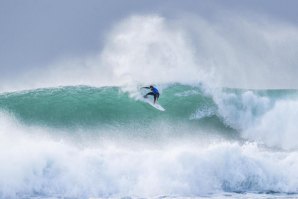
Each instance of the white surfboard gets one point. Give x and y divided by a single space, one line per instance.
156 105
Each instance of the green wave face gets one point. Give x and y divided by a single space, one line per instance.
111 108
69 106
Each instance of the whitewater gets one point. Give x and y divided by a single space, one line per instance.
80 129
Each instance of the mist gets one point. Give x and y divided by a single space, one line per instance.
248 45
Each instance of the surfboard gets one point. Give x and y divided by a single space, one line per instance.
156 105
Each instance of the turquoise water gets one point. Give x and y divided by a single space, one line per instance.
84 106
90 106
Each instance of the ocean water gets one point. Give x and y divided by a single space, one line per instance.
105 142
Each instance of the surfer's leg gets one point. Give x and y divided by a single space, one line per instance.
156 96
150 93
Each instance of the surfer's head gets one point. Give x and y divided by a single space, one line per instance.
151 86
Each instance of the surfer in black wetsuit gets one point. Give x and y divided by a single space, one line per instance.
153 92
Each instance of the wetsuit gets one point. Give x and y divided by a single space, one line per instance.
153 92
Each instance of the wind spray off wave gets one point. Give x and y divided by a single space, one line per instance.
190 49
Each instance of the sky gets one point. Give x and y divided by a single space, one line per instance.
36 33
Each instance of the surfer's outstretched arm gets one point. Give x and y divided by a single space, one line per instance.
146 87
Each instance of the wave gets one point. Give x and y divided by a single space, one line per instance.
84 142
87 106
249 114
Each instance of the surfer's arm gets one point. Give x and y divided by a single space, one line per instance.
146 87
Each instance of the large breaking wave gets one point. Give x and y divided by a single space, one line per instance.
104 142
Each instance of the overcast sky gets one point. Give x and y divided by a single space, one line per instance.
34 33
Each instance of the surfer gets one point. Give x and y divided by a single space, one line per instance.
153 92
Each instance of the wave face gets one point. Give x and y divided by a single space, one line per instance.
101 108
83 142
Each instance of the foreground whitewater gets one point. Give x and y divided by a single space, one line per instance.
86 142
